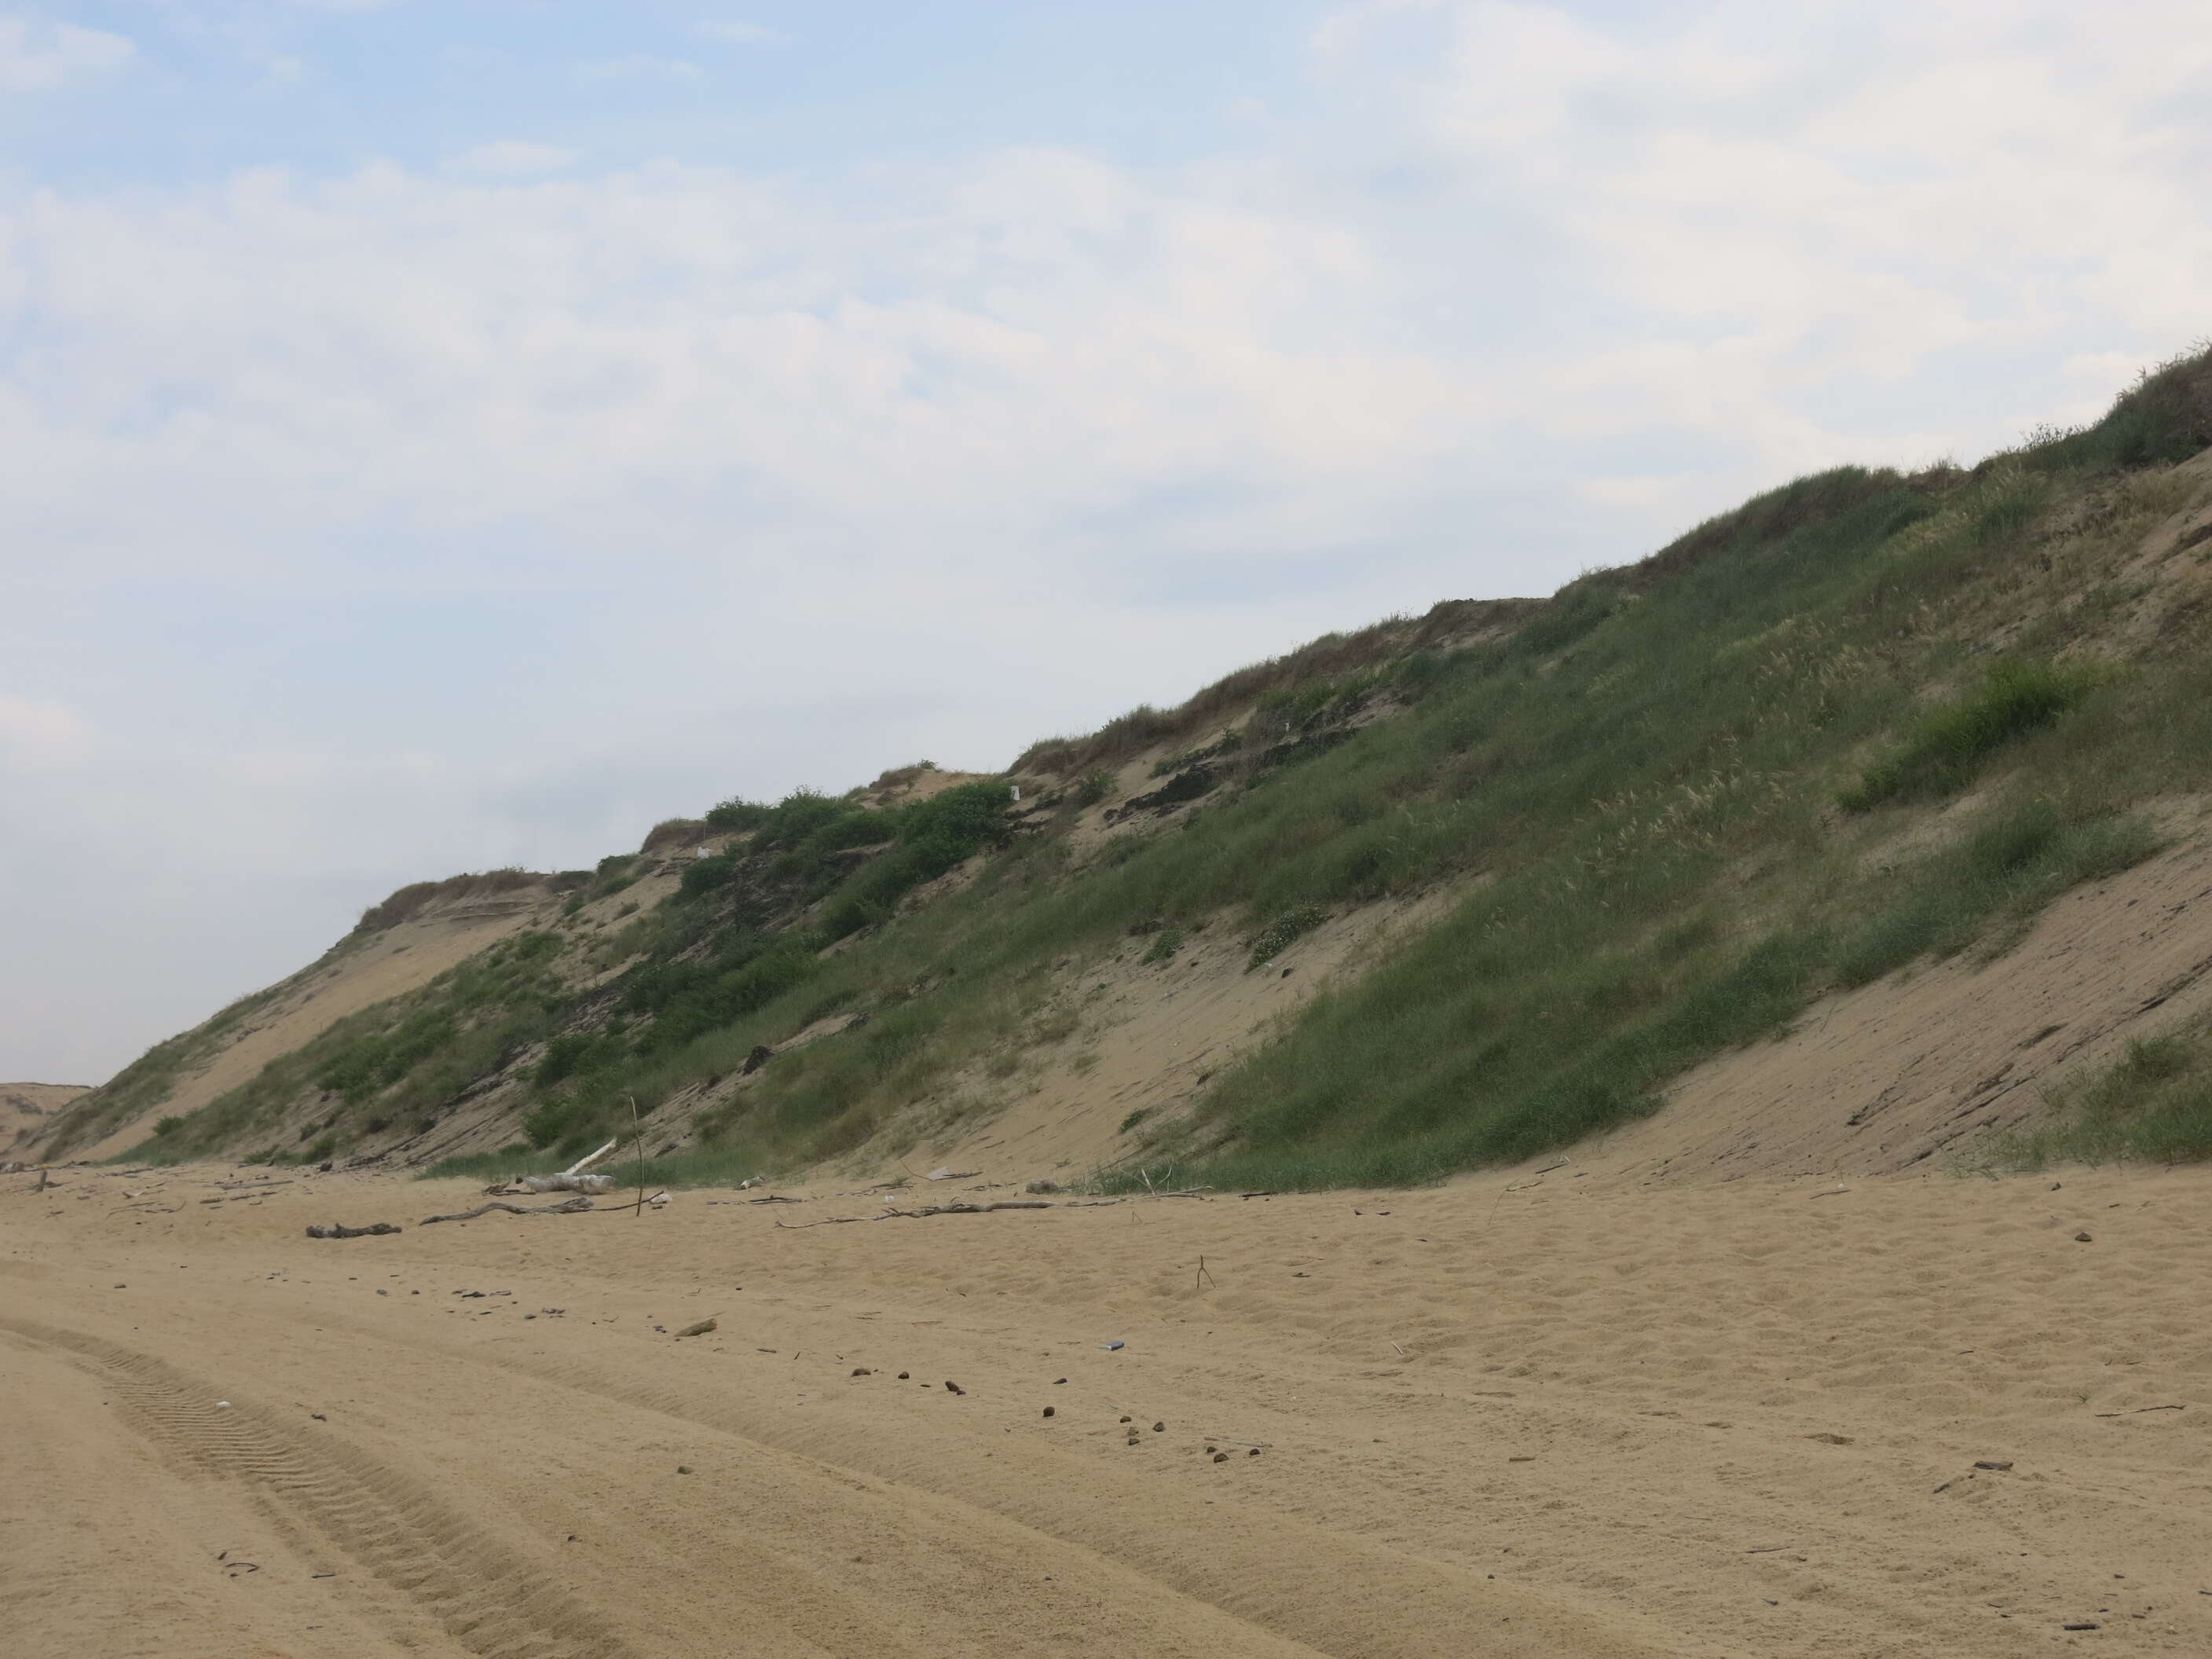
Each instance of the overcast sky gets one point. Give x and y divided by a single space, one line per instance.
446 435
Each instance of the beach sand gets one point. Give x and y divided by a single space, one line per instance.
1569 1413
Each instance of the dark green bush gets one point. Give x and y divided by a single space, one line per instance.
736 815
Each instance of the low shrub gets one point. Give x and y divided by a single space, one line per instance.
1285 929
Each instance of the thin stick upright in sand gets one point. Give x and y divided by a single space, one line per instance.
638 1151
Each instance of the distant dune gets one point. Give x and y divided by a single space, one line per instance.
26 1106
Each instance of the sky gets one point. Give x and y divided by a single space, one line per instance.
441 436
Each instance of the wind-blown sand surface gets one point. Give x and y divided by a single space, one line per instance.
1576 1417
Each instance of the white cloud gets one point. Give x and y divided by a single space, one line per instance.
639 66
1833 191
512 158
36 56
31 728
745 34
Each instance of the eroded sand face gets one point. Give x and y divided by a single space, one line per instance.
1577 1417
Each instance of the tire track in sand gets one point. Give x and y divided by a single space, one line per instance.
391 1526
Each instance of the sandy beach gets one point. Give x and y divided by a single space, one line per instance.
1555 1415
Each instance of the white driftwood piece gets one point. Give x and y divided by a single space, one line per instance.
590 1158
566 1183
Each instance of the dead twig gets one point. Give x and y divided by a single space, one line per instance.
374 1230
2140 1410
916 1215
575 1206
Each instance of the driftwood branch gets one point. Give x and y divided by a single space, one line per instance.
375 1231
935 1209
590 1158
575 1206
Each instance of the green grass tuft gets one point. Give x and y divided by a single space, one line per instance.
1945 747
2154 1106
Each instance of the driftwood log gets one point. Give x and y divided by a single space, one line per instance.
375 1231
573 1206
565 1183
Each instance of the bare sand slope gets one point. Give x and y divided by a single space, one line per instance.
1553 1414
1147 1036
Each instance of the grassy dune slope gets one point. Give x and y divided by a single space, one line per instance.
1864 721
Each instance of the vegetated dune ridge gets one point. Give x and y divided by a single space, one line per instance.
358 973
1826 836
25 1108
1558 1413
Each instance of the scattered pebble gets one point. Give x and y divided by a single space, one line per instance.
902 1376
683 1469
1159 1428
862 1370
1221 1457
954 1388
1049 1411
2083 1238
1993 1463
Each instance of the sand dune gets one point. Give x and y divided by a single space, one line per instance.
26 1108
1558 1414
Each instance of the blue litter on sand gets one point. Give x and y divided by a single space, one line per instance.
1110 1346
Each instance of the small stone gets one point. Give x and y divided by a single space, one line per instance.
1125 1419
2083 1238
1159 1428
954 1388
683 1469
1254 1452
1221 1457
1994 1464
1047 1411
1057 1381
1520 1460
862 1370
901 1376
